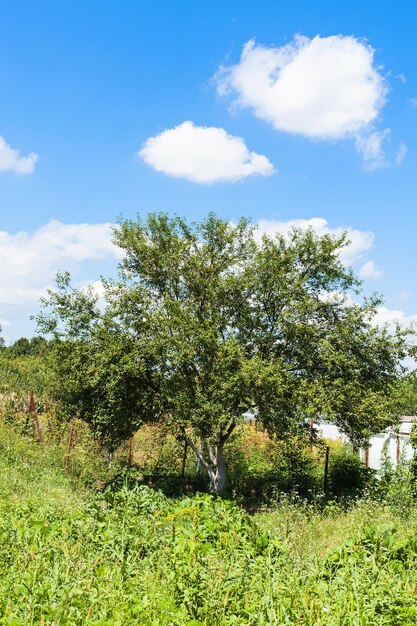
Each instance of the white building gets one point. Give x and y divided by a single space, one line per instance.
395 441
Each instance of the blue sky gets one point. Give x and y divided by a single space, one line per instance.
86 85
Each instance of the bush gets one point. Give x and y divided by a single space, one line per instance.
397 486
259 466
348 476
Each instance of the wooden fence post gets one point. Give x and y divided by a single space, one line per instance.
130 452
367 455
184 459
326 470
310 437
32 411
67 456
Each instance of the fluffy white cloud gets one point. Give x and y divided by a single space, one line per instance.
360 240
325 88
203 155
369 270
321 88
10 159
29 261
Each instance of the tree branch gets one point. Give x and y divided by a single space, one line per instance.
230 429
197 453
209 451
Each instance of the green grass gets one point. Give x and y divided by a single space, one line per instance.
70 555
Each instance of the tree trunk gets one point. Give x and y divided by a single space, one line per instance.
217 472
215 465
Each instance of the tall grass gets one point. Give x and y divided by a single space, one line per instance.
70 555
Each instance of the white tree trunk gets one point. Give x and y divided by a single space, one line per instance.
217 472
215 465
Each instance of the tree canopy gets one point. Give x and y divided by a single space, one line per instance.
210 319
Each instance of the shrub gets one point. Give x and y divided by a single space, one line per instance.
348 476
260 466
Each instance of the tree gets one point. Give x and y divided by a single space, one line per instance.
208 320
35 346
405 395
103 373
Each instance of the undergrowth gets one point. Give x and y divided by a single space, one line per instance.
126 555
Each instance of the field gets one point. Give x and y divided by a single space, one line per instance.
73 554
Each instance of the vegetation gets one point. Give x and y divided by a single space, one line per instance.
71 555
105 515
207 322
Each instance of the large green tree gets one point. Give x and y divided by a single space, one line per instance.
208 320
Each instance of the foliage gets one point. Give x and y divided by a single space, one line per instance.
397 484
21 375
404 396
102 373
207 321
71 556
348 476
36 346
260 465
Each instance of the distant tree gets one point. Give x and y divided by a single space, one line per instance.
208 320
21 347
2 342
19 375
26 347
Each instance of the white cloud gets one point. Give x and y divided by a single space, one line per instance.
370 147
413 101
360 240
203 155
96 286
391 317
369 270
401 152
383 316
29 261
323 88
10 159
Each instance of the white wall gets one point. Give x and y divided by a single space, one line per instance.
390 439
328 430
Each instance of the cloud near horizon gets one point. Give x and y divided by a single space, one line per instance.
10 159
203 154
29 261
325 88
